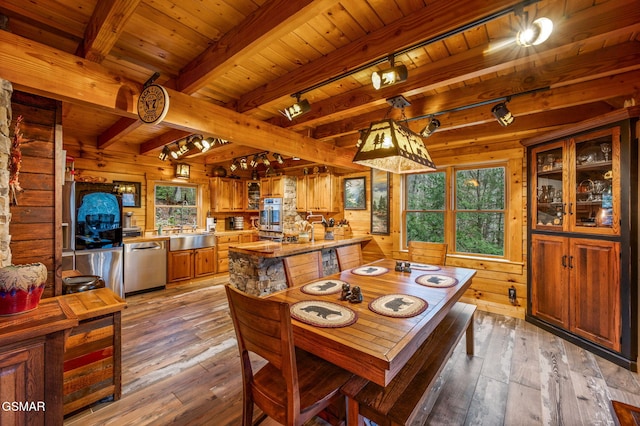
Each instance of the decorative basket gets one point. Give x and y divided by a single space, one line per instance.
21 287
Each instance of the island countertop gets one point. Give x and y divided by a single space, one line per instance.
275 249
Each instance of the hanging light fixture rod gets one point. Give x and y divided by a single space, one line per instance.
455 31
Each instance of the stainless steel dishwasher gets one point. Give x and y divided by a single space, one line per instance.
145 266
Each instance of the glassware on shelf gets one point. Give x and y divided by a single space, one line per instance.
605 147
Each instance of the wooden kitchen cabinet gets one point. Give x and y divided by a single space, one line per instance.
252 195
575 285
222 245
179 265
227 195
320 193
583 192
272 187
188 264
31 361
204 261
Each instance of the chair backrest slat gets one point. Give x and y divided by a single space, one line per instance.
303 268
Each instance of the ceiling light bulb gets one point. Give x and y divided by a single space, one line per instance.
297 109
243 164
538 32
389 77
278 158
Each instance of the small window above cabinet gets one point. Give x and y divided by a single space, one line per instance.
577 184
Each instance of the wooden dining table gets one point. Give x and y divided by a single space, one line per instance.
376 346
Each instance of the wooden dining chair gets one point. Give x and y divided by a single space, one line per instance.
303 268
294 385
349 256
423 252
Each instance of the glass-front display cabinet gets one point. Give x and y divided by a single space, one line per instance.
577 184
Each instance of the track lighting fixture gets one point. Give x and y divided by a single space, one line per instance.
502 114
297 109
174 152
206 144
164 153
254 161
278 158
389 76
430 128
183 149
535 33
234 166
265 160
243 163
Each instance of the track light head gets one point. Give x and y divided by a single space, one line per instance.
389 76
243 163
278 158
535 33
502 114
265 160
254 161
234 166
430 128
164 153
296 110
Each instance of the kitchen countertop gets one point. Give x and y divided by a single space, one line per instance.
274 249
165 237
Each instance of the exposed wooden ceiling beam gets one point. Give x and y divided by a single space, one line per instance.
105 27
441 16
30 65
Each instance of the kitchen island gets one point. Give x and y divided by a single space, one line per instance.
257 267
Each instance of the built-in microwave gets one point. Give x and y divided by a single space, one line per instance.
271 214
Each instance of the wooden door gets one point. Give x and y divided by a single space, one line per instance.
595 291
205 261
180 265
549 279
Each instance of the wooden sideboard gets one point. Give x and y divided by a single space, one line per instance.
31 363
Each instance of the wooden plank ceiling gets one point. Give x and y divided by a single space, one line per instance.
231 65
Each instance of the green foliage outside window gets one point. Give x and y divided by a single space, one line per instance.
175 205
478 211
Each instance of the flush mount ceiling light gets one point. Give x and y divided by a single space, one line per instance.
389 76
430 128
182 171
296 110
535 33
502 114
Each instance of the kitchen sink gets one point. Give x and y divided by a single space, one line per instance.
188 241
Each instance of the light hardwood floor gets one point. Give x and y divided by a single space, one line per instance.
181 367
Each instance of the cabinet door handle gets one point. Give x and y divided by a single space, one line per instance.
564 209
570 208
570 262
564 261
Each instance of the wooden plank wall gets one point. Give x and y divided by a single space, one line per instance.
33 219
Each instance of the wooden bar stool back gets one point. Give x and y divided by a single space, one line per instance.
432 253
349 257
294 385
303 268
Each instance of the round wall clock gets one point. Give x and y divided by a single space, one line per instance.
153 104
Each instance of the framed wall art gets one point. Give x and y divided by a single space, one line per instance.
379 202
130 193
355 193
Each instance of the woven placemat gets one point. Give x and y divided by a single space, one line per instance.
323 314
369 270
323 287
424 267
435 280
398 305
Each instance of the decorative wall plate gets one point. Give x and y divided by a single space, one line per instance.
435 280
369 270
323 314
398 305
323 287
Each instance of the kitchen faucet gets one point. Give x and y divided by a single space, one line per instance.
310 216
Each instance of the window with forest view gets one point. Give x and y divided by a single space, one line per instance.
472 222
175 205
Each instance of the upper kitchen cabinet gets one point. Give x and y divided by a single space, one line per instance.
582 229
320 191
227 195
577 184
272 187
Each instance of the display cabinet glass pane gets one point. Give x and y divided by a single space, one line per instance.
550 203
593 183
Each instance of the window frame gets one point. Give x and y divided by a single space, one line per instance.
450 208
197 205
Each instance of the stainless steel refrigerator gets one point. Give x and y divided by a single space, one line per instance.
93 212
